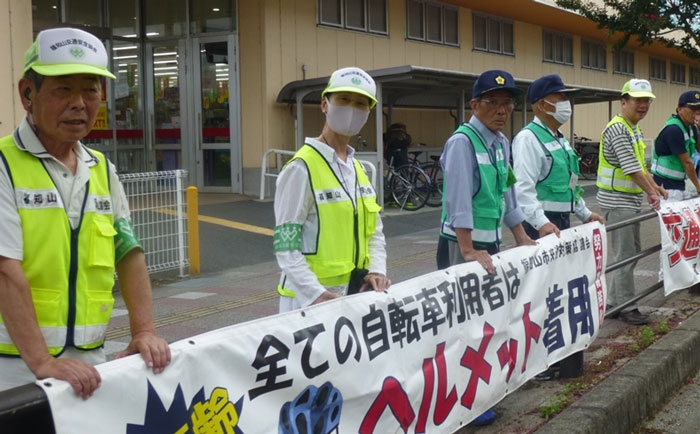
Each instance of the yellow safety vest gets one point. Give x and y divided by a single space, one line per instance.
611 177
70 272
333 256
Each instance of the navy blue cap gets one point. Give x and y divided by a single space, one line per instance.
691 97
547 85
495 80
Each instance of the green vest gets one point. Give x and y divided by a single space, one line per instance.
553 191
611 177
670 166
487 202
334 254
70 272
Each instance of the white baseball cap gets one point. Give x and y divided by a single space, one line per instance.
352 79
637 88
67 51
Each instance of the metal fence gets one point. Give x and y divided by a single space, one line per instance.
157 202
282 156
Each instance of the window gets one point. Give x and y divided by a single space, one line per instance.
432 22
594 55
657 69
623 62
678 73
694 79
558 48
492 34
359 15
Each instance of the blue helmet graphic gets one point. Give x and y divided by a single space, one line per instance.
313 411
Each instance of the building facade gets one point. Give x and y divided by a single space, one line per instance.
198 81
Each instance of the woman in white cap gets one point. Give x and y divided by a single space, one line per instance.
328 234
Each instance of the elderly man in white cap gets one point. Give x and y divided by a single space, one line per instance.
328 237
622 181
65 227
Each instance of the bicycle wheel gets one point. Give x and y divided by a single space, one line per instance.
410 187
434 172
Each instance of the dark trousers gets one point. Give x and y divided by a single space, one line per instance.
561 220
443 251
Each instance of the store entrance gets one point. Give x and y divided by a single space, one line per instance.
192 111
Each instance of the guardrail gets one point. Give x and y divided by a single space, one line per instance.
25 409
369 167
158 213
278 166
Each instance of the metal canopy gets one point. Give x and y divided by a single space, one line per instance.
412 86
420 87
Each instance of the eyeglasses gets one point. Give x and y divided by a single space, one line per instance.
494 104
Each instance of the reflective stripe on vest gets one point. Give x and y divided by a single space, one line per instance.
333 256
72 277
611 177
671 166
487 203
553 192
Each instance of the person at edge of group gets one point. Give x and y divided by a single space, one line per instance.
66 227
622 182
478 180
671 162
547 169
327 219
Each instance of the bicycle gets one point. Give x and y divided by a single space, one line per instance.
408 186
587 151
434 171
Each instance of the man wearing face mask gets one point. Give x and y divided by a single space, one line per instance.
327 224
545 165
547 170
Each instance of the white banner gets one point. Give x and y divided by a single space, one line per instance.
680 243
429 355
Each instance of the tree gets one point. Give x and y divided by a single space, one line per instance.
675 23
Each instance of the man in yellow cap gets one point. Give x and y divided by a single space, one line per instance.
622 182
65 227
328 237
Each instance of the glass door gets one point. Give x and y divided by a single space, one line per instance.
215 106
166 109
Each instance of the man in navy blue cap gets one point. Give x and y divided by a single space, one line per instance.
478 180
546 168
671 163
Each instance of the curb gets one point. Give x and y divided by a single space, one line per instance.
636 391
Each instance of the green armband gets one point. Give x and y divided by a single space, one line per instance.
511 178
287 237
125 240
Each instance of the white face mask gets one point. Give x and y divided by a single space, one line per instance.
562 111
345 120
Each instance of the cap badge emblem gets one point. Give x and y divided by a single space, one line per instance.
500 80
77 52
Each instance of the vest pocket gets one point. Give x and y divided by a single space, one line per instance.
101 243
47 305
99 308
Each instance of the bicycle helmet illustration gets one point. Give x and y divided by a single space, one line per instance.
313 411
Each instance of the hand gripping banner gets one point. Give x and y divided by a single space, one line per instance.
428 356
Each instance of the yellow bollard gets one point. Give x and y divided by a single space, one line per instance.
193 228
